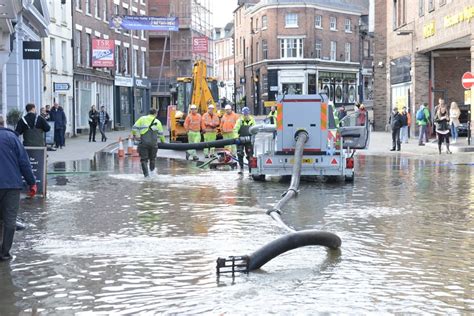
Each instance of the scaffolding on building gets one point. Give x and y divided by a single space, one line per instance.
176 56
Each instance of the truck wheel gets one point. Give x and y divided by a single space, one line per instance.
349 178
258 177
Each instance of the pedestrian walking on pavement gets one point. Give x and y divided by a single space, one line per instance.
148 129
242 128
93 121
404 129
58 116
14 167
454 113
210 123
442 127
192 124
32 127
228 121
103 121
396 124
422 120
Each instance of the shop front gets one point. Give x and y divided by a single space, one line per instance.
141 103
340 87
123 101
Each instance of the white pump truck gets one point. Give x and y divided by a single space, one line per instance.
328 150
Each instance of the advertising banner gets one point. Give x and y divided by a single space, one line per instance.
32 50
200 44
38 165
146 23
103 53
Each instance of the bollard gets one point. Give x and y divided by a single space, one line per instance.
130 146
121 151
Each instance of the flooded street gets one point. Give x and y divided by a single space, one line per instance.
108 241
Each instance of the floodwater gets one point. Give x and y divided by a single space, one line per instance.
107 241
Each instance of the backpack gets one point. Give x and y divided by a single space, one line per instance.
420 115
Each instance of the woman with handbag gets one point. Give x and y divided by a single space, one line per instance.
442 127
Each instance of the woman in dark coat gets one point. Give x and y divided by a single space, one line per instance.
93 120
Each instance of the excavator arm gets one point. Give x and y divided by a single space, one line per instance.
201 94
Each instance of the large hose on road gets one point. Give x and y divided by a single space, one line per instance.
292 241
275 212
216 143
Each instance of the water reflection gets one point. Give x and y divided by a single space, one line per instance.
110 241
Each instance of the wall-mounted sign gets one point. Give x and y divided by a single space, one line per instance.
429 29
142 83
123 81
200 44
141 22
37 157
103 53
467 14
32 50
61 86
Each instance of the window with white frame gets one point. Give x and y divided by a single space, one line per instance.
332 23
347 25
125 12
318 49
264 22
256 24
88 49
333 50
88 6
318 21
264 49
63 14
347 52
77 41
257 52
135 62
143 61
97 8
291 20
52 49
63 56
79 5
117 59
291 48
52 11
421 7
104 11
125 60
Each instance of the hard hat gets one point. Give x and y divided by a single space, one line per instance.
245 111
193 107
228 107
211 106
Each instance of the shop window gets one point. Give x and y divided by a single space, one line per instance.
341 88
292 88
291 20
311 83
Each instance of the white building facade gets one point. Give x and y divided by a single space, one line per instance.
58 70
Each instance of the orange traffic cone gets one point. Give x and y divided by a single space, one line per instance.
121 151
130 146
135 151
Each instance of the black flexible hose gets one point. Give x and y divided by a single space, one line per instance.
275 212
202 145
292 241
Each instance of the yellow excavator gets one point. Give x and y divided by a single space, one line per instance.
200 90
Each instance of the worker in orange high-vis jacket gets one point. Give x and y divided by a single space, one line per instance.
228 121
209 125
192 124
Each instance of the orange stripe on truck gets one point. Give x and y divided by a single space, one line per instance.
324 116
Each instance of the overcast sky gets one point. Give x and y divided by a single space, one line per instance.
222 11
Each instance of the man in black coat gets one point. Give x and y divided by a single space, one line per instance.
59 117
396 122
32 127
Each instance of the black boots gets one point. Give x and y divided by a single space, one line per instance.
152 164
145 169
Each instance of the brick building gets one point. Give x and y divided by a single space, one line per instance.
123 89
171 53
422 49
300 47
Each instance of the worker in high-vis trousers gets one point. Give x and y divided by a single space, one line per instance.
228 121
148 130
242 128
209 125
192 124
